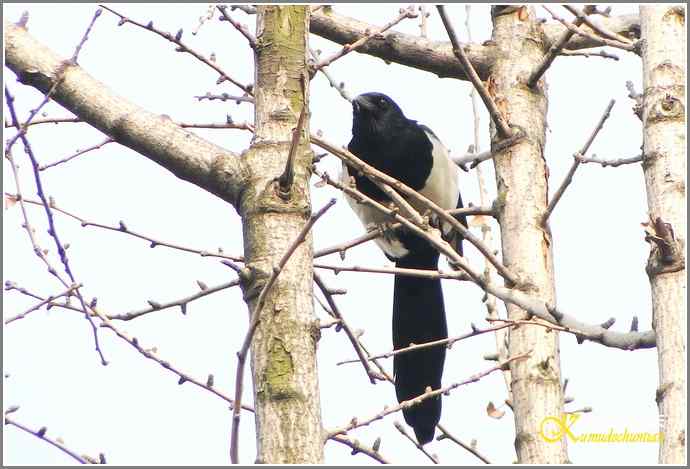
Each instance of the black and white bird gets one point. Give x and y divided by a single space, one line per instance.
384 138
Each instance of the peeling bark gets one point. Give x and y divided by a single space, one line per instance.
664 164
522 189
283 353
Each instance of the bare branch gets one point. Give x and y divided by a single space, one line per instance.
347 48
597 40
182 302
535 306
356 423
48 120
612 163
358 447
181 47
158 138
473 159
421 448
576 163
41 435
78 153
413 51
52 230
551 55
501 124
225 16
585 53
340 87
75 56
437 57
394 271
600 30
471 449
121 227
225 97
42 303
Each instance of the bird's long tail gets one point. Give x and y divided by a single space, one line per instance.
419 317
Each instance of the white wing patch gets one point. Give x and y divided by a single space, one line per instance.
372 219
441 187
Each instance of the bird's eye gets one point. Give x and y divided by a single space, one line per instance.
383 103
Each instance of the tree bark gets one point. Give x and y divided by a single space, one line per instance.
522 191
283 353
664 68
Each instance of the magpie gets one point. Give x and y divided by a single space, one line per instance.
410 152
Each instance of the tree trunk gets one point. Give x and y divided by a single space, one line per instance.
283 353
522 191
664 169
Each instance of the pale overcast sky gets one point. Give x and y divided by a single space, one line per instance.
135 412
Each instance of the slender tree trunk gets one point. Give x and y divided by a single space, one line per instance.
283 354
522 189
664 169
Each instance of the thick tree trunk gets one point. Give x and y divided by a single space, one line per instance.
664 169
522 189
283 353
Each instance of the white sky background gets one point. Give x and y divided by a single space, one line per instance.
134 411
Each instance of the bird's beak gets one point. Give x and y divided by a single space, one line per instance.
363 102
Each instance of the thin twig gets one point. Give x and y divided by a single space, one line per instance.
121 227
225 16
576 163
182 302
347 48
551 55
46 120
430 274
501 125
181 47
448 342
255 319
132 341
362 358
51 222
583 53
358 447
41 435
473 159
225 97
183 377
612 163
75 56
42 303
78 153
595 27
343 247
401 429
356 423
444 434
592 37
340 87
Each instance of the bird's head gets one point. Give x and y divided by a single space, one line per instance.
375 115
